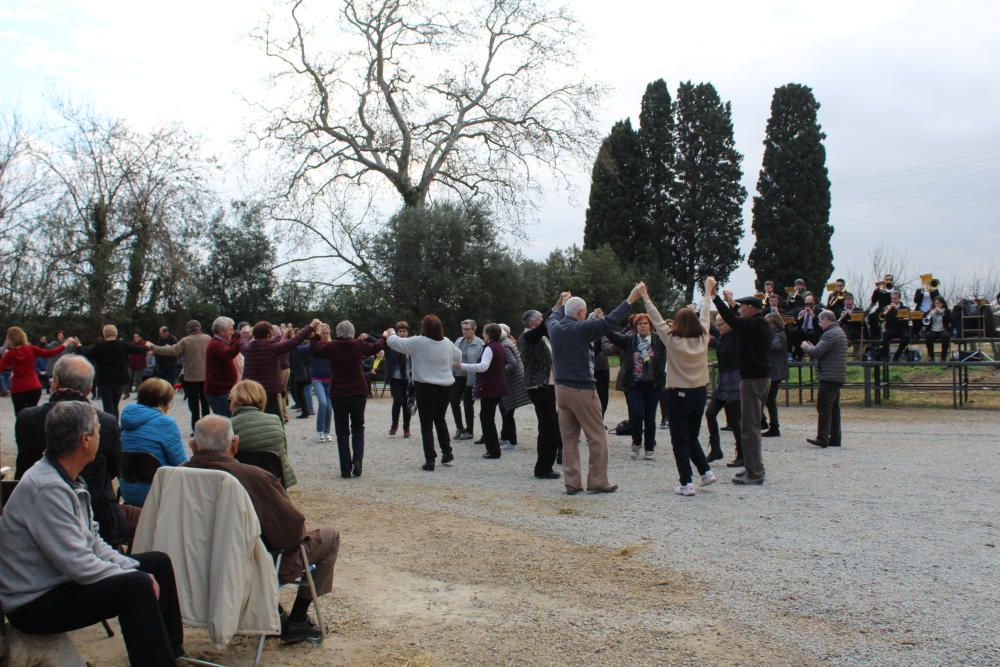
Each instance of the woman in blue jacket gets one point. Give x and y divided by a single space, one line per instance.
146 427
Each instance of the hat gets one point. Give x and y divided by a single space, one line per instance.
193 325
751 301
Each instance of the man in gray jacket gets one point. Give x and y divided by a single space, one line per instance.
471 347
536 353
831 354
573 336
57 574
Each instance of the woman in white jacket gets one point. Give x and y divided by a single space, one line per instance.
432 359
686 338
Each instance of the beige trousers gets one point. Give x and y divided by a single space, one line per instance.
580 409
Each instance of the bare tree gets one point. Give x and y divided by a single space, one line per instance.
21 186
472 96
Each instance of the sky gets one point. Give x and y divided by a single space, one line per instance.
910 97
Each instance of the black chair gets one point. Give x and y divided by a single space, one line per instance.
266 460
139 467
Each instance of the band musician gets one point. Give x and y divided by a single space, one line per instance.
894 326
768 291
852 326
938 328
806 327
835 301
881 297
923 300
773 305
796 298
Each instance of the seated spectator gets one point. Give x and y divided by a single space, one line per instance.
57 574
72 380
256 429
146 427
282 527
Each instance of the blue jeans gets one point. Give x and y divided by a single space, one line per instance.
687 407
219 404
643 398
324 414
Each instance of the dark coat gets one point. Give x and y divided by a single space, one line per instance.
110 359
628 343
29 433
536 356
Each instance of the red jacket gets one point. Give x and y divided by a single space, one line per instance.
345 354
262 359
220 370
137 360
21 360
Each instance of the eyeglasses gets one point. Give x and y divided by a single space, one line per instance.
467 329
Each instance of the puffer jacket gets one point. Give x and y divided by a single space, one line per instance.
263 432
778 354
536 356
146 429
517 391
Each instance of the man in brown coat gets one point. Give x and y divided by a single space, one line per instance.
282 526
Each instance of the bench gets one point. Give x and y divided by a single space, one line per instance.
23 650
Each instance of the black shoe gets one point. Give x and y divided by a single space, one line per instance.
818 443
714 455
429 466
446 459
357 469
466 435
552 474
763 425
735 463
559 458
345 475
727 427
747 480
572 491
771 433
491 456
294 632
304 415
481 441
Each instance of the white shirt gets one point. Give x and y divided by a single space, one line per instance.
484 362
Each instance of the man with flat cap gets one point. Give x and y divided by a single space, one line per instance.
754 334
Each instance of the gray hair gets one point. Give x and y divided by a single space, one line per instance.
74 372
221 323
213 433
468 323
65 424
826 316
575 305
506 329
530 316
192 326
345 329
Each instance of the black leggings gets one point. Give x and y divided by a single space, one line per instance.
111 396
432 406
487 421
25 399
399 388
771 403
461 399
733 416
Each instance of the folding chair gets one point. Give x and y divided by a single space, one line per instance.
139 467
271 462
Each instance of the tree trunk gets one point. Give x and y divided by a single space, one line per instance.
100 263
137 260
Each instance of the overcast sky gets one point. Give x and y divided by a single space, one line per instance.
910 96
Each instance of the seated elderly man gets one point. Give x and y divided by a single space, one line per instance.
57 574
281 525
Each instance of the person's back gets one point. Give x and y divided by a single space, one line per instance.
572 344
431 361
262 431
148 429
831 356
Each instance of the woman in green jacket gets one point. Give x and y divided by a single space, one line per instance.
258 430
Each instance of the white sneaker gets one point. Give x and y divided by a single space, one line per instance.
635 452
326 436
320 437
648 456
508 446
709 478
685 490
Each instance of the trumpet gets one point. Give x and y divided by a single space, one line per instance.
789 291
884 315
884 285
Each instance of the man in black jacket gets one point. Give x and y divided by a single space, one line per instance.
72 377
536 354
755 378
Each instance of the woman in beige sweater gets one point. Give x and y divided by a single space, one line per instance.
686 340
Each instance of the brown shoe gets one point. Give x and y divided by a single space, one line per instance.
572 490
603 489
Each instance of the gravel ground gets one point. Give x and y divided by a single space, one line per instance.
883 552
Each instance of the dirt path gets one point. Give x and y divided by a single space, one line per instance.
422 588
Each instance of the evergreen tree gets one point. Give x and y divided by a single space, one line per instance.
791 212
615 211
656 141
707 189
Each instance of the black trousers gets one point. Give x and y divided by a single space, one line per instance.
349 424
733 416
299 394
643 398
432 406
828 407
602 376
25 399
194 392
904 342
273 407
151 627
398 388
508 427
487 422
934 336
461 398
771 403
167 372
549 439
686 409
111 396
664 405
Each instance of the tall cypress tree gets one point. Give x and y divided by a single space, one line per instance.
656 140
707 189
614 215
791 212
